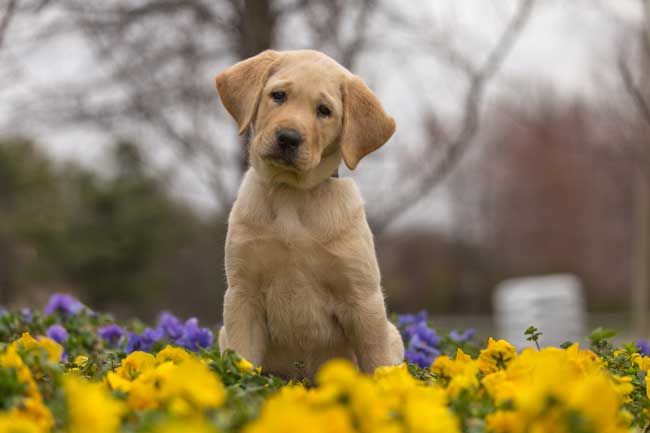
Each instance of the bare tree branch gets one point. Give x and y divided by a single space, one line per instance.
351 51
645 30
634 91
470 122
439 45
632 88
6 19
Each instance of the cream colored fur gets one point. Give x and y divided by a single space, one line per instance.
303 280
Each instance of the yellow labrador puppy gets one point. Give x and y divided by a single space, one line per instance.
303 280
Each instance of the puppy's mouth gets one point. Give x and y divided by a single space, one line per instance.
280 163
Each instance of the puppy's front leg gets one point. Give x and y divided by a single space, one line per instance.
366 325
243 319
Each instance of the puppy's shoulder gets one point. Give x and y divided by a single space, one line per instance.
343 194
337 211
251 205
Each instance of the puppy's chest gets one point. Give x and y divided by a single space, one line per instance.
301 315
299 277
290 247
290 225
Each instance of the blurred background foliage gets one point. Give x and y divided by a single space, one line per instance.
121 241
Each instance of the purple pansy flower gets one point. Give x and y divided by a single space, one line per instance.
170 329
132 343
423 351
195 338
422 331
419 344
423 359
144 341
461 337
26 314
63 303
57 333
170 325
411 319
111 333
422 342
644 347
152 335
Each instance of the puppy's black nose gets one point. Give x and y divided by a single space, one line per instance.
288 139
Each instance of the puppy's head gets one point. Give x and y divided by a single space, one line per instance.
306 112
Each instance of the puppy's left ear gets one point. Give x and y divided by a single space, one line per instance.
240 86
366 126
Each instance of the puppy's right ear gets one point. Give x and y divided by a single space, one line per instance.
240 86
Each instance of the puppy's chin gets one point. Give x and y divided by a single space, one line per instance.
302 178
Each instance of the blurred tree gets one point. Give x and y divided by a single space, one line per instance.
30 208
634 70
118 229
549 197
121 241
450 147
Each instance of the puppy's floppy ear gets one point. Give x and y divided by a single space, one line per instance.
240 86
366 126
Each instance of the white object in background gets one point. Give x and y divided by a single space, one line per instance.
554 304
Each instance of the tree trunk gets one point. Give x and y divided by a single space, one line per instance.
641 257
6 277
257 33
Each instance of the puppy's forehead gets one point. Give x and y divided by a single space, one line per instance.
310 68
316 59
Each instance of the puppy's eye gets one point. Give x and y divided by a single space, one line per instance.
279 96
323 111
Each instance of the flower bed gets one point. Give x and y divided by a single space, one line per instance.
72 370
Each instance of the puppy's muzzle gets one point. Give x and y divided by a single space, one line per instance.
287 144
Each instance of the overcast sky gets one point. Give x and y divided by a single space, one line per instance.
566 43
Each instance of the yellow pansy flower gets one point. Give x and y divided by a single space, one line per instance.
143 392
496 355
504 422
458 374
623 385
244 365
586 360
11 359
642 361
395 380
53 350
339 373
194 425
117 382
34 409
286 414
90 407
174 354
423 416
193 381
569 379
26 341
500 385
12 423
136 363
80 360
